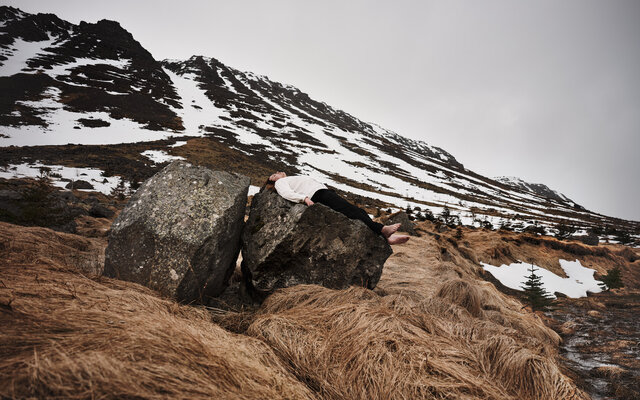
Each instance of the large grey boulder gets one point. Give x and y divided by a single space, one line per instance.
180 232
286 244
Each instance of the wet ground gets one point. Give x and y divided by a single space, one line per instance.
601 343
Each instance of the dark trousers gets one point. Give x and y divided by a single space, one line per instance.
331 199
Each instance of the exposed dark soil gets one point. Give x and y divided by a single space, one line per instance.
601 347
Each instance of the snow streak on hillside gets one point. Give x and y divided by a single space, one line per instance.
94 84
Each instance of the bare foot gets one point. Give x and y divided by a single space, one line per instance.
389 230
397 239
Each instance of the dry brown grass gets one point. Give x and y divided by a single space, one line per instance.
431 331
212 154
31 245
67 336
354 344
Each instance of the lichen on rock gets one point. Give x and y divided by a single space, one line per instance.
286 244
180 232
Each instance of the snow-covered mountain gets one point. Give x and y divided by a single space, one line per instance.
95 86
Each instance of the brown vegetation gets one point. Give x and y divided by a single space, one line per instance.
354 344
431 329
212 154
67 336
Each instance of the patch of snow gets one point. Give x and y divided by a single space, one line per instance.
579 279
22 52
194 119
253 190
62 126
179 143
160 156
226 81
92 175
64 69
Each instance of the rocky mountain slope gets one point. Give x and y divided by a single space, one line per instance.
95 86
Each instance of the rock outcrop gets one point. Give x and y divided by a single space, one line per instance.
79 184
402 218
286 244
180 232
32 202
589 239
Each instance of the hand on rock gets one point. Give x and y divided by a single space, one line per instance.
308 201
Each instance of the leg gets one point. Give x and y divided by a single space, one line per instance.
331 199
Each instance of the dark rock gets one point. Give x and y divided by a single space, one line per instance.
402 218
93 123
92 200
68 196
79 184
6 194
180 232
590 239
286 244
442 228
100 211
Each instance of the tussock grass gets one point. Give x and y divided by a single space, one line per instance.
66 336
463 294
354 344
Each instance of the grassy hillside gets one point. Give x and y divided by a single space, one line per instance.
431 329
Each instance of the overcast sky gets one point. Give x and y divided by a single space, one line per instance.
548 91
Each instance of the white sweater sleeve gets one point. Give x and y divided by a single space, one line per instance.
284 190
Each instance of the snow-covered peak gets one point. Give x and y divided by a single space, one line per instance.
538 188
95 84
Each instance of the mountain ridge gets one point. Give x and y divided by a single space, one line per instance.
94 84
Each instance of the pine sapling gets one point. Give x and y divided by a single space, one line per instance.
612 280
535 293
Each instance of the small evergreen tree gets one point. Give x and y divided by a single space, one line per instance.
612 280
409 212
451 220
535 293
445 215
537 229
119 190
428 215
564 231
623 237
596 230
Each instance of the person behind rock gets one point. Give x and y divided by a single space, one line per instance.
304 189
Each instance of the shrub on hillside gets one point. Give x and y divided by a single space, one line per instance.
564 231
612 280
536 229
449 219
535 293
623 237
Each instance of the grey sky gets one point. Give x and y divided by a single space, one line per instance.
547 91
